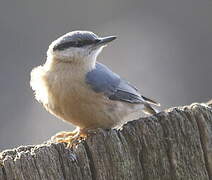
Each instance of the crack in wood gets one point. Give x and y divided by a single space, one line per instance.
200 119
91 163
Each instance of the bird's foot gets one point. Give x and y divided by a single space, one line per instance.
66 137
73 138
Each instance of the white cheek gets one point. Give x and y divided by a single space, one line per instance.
81 53
76 54
70 53
95 53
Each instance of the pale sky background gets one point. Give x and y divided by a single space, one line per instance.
164 47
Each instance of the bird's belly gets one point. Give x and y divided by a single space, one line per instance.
66 95
85 108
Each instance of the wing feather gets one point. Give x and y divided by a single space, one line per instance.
102 79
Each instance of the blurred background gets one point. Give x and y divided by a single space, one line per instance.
164 47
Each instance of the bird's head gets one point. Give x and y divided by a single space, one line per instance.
78 46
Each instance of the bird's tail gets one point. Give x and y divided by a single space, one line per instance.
148 109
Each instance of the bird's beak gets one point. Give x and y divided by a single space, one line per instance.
105 40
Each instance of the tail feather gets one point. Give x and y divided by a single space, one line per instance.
151 101
148 109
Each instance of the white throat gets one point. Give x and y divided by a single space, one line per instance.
80 58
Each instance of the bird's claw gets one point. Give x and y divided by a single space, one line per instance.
72 139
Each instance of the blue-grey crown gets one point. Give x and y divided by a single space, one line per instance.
76 39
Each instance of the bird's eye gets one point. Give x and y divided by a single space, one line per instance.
97 40
78 43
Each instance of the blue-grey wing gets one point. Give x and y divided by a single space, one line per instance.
103 80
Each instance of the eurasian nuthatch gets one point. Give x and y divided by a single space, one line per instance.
73 86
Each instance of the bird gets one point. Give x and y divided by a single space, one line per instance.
73 86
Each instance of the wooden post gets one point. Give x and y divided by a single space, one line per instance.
175 144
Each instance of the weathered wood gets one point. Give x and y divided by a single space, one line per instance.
175 144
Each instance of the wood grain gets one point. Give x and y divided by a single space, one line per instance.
175 144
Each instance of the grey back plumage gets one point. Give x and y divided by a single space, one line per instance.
103 80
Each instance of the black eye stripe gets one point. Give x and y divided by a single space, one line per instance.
78 43
63 46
